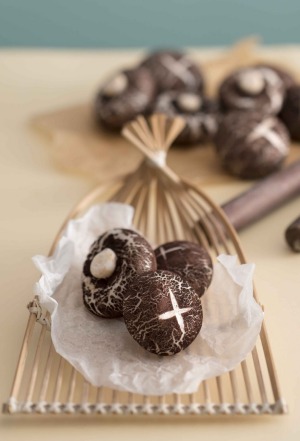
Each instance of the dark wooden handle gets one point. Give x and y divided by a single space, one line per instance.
266 195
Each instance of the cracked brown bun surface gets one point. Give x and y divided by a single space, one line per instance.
286 77
162 312
127 94
251 145
173 70
187 259
251 89
199 113
114 259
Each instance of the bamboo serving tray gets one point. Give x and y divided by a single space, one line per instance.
166 208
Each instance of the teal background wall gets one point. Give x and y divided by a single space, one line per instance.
137 23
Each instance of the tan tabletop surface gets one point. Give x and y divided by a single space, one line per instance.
35 198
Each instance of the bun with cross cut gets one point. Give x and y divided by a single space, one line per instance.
187 259
114 259
257 88
124 96
200 114
173 70
251 145
162 312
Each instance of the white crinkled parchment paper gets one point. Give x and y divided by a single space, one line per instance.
102 349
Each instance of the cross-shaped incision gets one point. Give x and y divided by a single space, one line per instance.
163 251
266 130
179 68
175 312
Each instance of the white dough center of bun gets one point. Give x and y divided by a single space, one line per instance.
251 81
104 264
116 86
189 102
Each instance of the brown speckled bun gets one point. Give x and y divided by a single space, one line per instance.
104 296
290 113
189 260
162 312
253 89
251 145
173 70
200 115
126 95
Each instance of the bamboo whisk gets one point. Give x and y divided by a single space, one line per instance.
166 207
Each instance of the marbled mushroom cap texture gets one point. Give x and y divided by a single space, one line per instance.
251 145
199 113
162 312
124 96
256 88
189 260
114 259
173 70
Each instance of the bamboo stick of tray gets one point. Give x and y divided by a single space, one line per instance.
166 208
